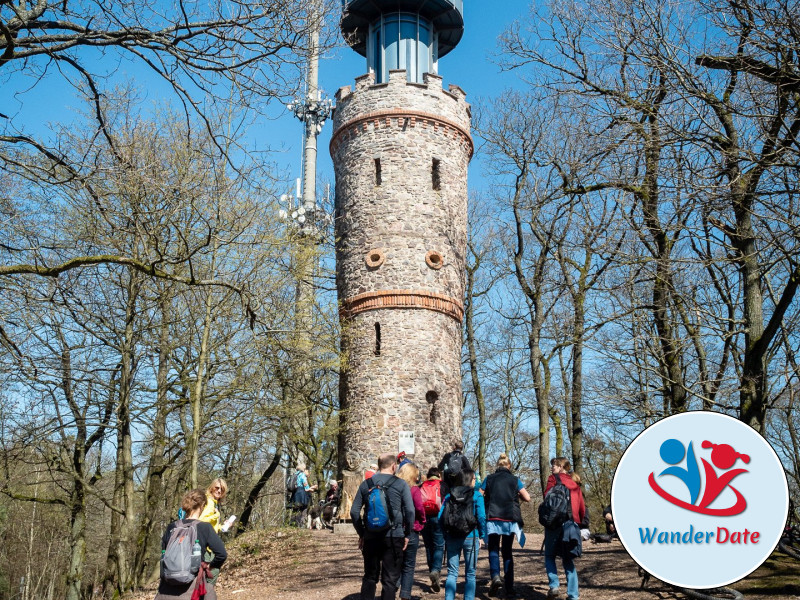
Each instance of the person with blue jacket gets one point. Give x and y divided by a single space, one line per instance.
302 495
455 542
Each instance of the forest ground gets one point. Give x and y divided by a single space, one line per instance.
287 564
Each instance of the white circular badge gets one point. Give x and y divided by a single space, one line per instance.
699 499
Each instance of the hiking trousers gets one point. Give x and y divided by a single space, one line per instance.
409 565
383 557
550 538
455 547
497 544
434 544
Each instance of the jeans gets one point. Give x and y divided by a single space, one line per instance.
409 565
550 537
495 541
454 546
383 557
434 544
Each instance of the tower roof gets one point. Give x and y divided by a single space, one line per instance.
447 17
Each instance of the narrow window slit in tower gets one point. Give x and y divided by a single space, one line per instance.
377 339
432 399
436 176
378 176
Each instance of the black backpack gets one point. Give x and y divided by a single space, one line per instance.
557 506
291 486
459 517
453 466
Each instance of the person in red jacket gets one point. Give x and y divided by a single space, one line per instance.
561 469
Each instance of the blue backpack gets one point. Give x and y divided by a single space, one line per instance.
378 517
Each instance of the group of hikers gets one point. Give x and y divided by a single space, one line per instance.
455 518
392 512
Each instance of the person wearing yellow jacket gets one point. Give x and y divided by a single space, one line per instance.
215 493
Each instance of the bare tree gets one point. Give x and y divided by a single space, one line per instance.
513 135
210 55
481 244
754 140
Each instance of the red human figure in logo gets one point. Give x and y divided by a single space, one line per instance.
724 457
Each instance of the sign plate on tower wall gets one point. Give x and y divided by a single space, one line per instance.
406 442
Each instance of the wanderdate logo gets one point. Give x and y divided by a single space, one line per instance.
723 457
699 499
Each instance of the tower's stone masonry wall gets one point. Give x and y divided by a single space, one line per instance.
403 216
400 153
413 385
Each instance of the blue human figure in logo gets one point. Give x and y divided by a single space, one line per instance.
672 452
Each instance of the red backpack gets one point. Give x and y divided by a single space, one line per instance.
431 497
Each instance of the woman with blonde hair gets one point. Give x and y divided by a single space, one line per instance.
561 472
502 493
301 497
410 474
216 492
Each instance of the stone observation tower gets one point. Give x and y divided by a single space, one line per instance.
400 147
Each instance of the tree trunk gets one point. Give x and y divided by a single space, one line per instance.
752 394
533 294
118 578
469 330
576 403
77 542
154 484
199 386
252 497
672 375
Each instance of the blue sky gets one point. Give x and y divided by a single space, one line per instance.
34 100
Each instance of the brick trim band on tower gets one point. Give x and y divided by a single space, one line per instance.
402 299
414 118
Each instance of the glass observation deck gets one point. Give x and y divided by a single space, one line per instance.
402 34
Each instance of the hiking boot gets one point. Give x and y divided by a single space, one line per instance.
435 585
554 593
495 586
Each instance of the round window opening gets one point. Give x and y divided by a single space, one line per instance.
374 258
434 260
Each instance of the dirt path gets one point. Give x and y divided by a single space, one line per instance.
320 565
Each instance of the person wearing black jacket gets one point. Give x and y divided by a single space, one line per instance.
193 503
502 493
383 551
453 477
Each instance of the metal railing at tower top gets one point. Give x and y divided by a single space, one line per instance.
447 17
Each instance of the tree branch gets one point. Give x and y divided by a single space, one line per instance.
785 77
